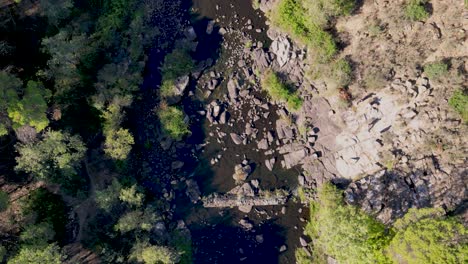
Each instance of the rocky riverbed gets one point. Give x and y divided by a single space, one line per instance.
249 154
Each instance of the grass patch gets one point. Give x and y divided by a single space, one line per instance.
172 121
459 102
279 91
415 10
435 70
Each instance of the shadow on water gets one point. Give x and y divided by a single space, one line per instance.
224 243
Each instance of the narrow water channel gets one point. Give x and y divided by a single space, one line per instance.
216 233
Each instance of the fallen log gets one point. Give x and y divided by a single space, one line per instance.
232 200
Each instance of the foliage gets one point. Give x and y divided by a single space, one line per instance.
172 121
136 220
38 235
9 88
56 158
416 11
35 255
280 92
4 201
144 252
182 243
55 10
65 50
31 109
177 63
47 208
426 236
293 17
345 232
107 198
131 196
435 70
3 130
118 143
459 102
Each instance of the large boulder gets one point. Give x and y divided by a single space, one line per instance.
241 172
281 47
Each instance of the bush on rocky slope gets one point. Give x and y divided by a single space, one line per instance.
459 102
349 235
280 92
416 11
435 70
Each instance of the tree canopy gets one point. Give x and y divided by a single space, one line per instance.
55 158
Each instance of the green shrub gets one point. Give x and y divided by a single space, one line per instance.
416 11
459 102
344 232
172 121
427 236
435 70
280 92
291 16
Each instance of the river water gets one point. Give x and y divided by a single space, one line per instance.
216 234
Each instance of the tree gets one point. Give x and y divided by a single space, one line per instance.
31 109
131 196
65 51
144 252
4 201
38 234
344 232
136 220
118 143
38 255
107 198
9 88
55 10
56 158
427 236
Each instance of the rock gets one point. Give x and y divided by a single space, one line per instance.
246 190
255 183
233 89
210 27
261 58
294 158
193 192
236 138
303 242
216 111
177 165
246 224
301 180
213 84
269 163
190 33
259 238
241 172
262 144
222 31
223 118
282 48
245 208
283 248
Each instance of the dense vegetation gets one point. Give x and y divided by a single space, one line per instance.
70 108
459 102
311 23
279 91
349 235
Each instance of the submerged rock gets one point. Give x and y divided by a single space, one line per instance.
236 138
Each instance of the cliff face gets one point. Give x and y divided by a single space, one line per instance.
398 143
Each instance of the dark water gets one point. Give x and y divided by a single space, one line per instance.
217 236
